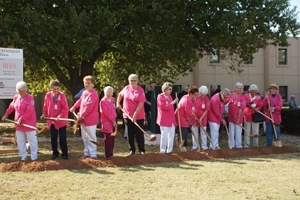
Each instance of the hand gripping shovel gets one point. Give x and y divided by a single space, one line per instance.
93 140
181 148
25 125
246 132
46 129
213 148
276 143
151 137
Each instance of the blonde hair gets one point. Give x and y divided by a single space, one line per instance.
89 78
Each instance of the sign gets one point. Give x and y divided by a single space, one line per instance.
11 71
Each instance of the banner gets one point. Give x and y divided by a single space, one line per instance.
11 71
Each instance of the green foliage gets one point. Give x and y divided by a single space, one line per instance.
158 40
290 120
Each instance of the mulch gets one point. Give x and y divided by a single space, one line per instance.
133 160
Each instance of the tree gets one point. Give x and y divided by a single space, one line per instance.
64 39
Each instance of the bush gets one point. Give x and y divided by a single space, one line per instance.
290 120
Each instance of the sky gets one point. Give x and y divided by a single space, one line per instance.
296 3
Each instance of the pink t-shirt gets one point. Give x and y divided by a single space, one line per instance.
201 105
235 104
185 107
24 110
216 109
249 110
54 107
108 114
165 111
131 99
276 102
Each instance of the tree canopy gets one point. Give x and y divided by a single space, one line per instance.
70 39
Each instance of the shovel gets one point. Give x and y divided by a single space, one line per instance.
213 148
151 137
116 133
276 143
181 148
25 125
246 132
59 119
93 140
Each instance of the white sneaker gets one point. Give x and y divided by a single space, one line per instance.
246 146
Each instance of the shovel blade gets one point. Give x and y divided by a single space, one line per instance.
152 138
98 143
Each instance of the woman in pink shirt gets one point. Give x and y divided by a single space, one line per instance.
202 107
133 104
215 115
253 101
56 106
165 118
108 119
185 107
274 108
236 107
88 103
23 105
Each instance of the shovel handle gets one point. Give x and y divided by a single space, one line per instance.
178 118
25 125
246 132
86 129
271 114
59 119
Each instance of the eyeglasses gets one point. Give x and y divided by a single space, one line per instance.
133 80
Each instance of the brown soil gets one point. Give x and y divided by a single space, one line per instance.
149 158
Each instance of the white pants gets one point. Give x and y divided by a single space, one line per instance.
90 149
235 134
195 136
203 138
22 137
251 127
167 138
214 134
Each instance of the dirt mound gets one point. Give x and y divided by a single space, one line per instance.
149 158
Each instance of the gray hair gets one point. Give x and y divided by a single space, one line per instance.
132 76
166 85
225 91
108 88
293 96
214 84
20 85
239 84
203 90
253 87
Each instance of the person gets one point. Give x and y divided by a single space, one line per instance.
56 106
147 105
108 118
23 105
185 108
292 102
236 108
166 118
215 89
78 95
133 105
183 92
202 107
274 112
88 103
253 102
215 115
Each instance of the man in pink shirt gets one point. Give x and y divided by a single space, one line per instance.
202 107
88 103
185 108
236 107
133 104
23 105
215 115
56 106
108 119
165 118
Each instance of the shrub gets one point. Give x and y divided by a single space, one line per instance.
290 120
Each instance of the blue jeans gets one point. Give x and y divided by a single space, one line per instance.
270 133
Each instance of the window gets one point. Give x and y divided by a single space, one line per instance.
214 56
249 62
282 56
246 88
283 92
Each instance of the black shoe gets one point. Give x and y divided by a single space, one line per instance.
64 157
54 156
131 153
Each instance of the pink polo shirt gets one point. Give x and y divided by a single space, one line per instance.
201 105
24 110
185 107
108 114
236 103
215 114
55 106
165 111
88 103
275 101
249 110
131 99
